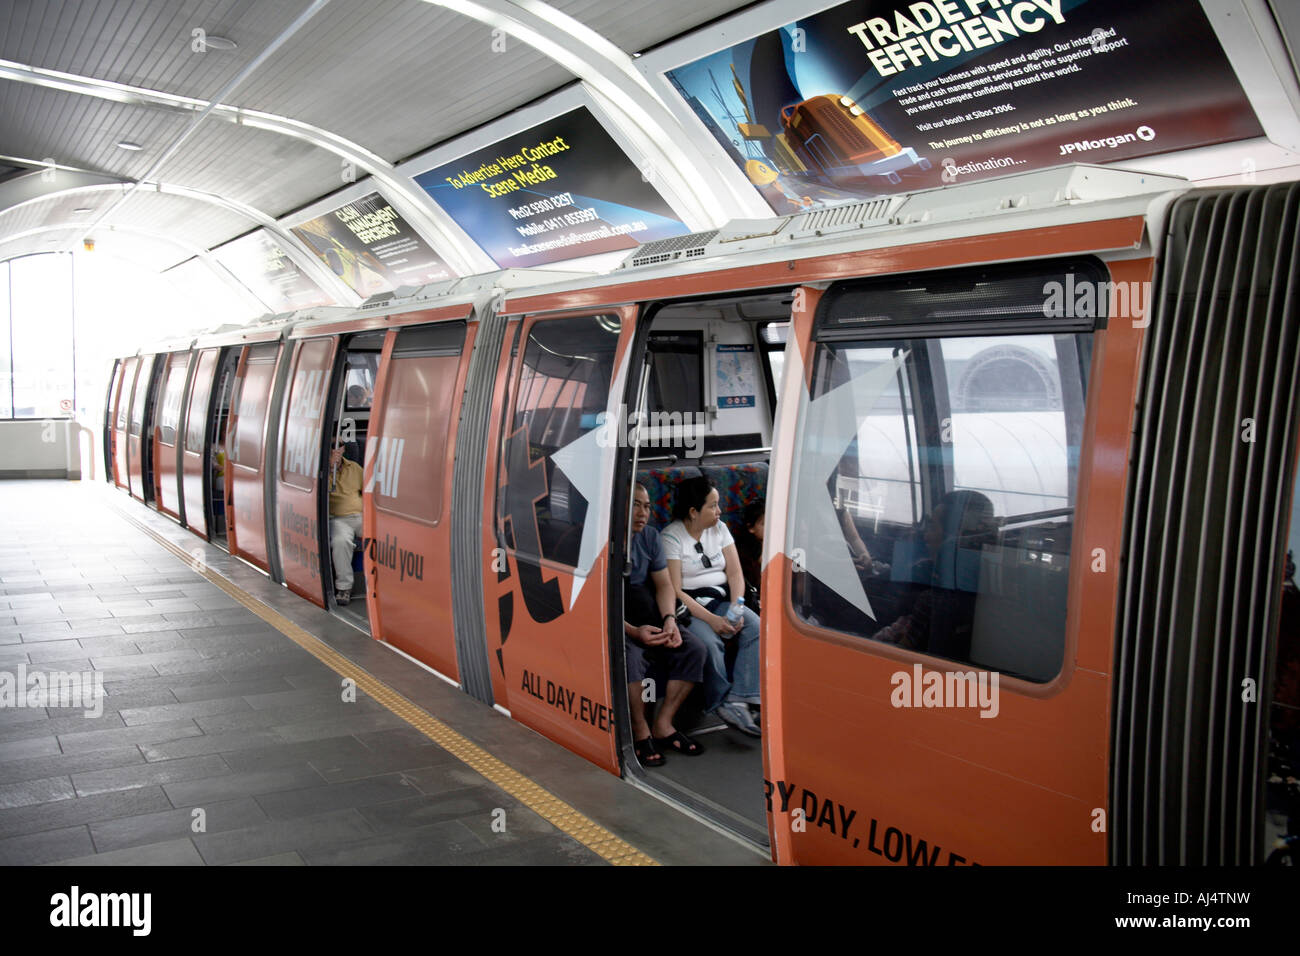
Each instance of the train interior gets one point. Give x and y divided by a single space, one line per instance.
353 397
714 372
216 461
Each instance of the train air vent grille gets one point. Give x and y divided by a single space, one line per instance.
1205 533
843 218
690 246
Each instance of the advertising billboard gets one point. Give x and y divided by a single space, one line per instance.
887 96
372 248
560 190
258 261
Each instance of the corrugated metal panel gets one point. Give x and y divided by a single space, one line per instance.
398 76
1206 532
199 223
628 27
142 42
467 508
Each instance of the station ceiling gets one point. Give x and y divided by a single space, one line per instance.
382 79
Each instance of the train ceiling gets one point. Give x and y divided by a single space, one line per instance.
317 84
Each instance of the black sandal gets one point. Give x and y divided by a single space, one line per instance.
647 754
680 743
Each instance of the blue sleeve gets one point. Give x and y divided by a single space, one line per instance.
658 558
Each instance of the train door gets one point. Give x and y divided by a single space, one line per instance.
298 481
412 430
700 395
166 458
356 380
549 484
217 447
938 620
137 464
110 399
122 424
245 470
193 477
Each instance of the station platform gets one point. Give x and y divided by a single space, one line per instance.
223 734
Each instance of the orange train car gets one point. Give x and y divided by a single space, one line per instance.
1028 450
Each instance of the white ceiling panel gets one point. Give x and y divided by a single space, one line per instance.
628 26
397 76
200 223
142 42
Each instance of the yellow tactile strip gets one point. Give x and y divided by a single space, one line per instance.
541 801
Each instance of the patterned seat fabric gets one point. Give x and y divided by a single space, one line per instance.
660 484
738 485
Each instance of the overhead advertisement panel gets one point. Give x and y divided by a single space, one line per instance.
560 190
258 261
372 248
886 96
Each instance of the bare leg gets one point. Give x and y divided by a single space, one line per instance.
678 691
636 710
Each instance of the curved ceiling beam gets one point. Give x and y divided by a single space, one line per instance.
407 198
304 259
609 72
221 272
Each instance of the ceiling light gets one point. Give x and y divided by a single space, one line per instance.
219 43
128 145
80 210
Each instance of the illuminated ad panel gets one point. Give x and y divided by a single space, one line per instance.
560 190
372 248
259 262
887 96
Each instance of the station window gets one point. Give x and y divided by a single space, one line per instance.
563 390
935 484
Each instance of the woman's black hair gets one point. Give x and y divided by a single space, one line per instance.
690 493
753 511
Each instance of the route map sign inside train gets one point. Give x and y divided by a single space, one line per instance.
560 190
372 248
890 96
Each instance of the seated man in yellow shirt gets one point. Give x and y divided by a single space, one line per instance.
345 519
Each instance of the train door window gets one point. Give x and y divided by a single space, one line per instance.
359 384
139 397
773 336
169 416
676 372
936 475
562 392
217 454
254 393
308 386
124 396
417 418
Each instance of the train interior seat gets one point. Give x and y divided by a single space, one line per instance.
216 464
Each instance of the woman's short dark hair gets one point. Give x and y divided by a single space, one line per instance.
690 493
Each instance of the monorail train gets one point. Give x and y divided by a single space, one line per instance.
1102 368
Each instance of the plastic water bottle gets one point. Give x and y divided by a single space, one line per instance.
734 613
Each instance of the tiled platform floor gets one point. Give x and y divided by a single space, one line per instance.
210 709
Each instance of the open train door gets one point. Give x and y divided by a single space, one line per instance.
114 384
407 509
297 483
118 415
245 470
548 497
944 520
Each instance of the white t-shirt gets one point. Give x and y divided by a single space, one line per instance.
680 546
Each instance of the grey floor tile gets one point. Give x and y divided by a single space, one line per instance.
280 836
280 859
233 785
225 688
337 796
210 744
121 736
33 768
161 713
281 755
27 747
442 844
149 774
32 792
33 849
65 813
172 853
160 827
422 810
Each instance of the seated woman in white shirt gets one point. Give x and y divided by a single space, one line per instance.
705 571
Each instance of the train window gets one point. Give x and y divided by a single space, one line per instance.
359 386
774 336
254 394
196 416
124 393
563 389
935 486
173 395
307 388
140 395
418 402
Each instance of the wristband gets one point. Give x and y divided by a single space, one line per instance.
667 617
